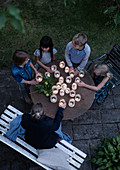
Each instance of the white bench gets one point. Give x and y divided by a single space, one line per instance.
76 157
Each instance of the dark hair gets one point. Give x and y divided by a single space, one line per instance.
19 57
37 111
46 42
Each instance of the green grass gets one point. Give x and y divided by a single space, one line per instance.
46 17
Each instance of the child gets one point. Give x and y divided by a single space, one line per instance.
45 54
77 53
22 73
101 77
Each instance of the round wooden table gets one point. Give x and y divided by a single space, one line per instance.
87 97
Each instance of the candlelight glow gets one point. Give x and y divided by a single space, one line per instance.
57 74
64 86
62 92
81 73
77 97
68 79
61 79
71 103
55 89
39 78
67 91
47 74
72 74
58 85
54 68
74 86
72 93
66 69
53 98
77 80
62 64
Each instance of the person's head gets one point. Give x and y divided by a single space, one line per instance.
37 111
78 41
102 70
20 57
46 44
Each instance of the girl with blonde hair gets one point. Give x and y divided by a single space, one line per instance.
101 76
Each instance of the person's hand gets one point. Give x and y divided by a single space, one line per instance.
34 82
76 72
94 67
63 105
81 84
71 68
49 70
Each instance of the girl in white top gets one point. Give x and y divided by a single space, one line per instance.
45 53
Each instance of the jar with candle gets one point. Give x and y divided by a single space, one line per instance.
62 102
64 86
57 74
77 97
77 79
53 98
67 69
62 92
58 84
72 93
39 78
47 74
72 73
71 102
61 79
68 79
67 91
54 89
81 73
54 68
74 86
62 64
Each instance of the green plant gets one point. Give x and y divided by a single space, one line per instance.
108 155
45 86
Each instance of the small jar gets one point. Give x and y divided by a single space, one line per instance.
53 98
57 74
62 64
71 103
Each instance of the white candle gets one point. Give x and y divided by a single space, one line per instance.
55 89
71 103
47 74
72 93
72 73
62 92
77 79
62 64
58 85
66 69
67 91
77 97
81 73
61 79
68 79
64 86
39 78
53 98
54 68
57 74
74 86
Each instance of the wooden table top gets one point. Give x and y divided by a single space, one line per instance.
87 97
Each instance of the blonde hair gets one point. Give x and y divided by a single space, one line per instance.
37 111
79 39
103 69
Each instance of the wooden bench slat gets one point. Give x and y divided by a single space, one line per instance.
10 114
73 155
29 147
22 151
6 118
3 123
15 110
3 130
73 162
73 148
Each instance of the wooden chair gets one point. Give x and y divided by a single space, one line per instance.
76 157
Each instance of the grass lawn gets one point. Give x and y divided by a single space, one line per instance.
50 17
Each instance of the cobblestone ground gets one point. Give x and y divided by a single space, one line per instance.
99 122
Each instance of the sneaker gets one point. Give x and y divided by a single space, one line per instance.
28 100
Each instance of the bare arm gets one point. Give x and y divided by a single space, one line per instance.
94 88
53 57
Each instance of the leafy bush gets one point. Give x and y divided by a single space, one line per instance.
45 86
108 155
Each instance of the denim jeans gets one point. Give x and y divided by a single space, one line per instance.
24 89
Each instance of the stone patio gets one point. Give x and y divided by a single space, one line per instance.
99 122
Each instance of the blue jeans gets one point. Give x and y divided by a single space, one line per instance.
24 89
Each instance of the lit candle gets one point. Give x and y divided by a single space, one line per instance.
62 92
77 80
72 93
47 74
66 69
39 78
67 91
54 68
68 79
57 74
81 73
64 86
74 86
61 79
77 97
62 64
53 98
71 103
58 85
72 73
62 102
55 89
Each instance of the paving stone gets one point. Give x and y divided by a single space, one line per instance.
87 131
117 101
67 128
94 143
86 165
116 90
110 130
119 126
91 116
111 116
